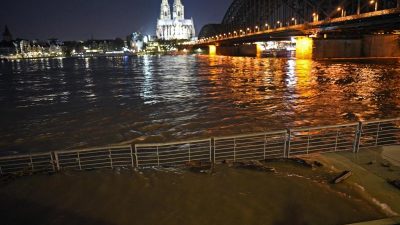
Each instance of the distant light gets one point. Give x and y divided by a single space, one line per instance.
212 49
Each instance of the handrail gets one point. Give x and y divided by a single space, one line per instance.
172 143
323 127
211 147
250 135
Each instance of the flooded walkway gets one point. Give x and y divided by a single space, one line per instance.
294 194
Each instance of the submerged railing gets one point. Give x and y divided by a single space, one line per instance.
260 146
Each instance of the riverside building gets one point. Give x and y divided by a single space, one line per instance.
175 26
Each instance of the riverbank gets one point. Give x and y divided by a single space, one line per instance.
294 194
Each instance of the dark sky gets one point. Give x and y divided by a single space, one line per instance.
80 19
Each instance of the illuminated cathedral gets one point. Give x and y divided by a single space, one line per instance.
174 27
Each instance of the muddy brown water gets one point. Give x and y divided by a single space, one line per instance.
56 104
293 195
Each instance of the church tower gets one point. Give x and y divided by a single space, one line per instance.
7 37
179 10
165 10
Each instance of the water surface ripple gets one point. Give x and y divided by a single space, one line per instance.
53 104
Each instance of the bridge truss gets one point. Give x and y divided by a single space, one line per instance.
255 15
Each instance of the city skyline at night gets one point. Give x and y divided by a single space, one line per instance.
81 20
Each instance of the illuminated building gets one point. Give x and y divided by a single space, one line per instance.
136 41
174 27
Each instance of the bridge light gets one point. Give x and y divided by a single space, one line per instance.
340 9
372 2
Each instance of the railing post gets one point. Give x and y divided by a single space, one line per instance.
214 151
52 161
130 147
265 146
57 161
79 162
189 153
287 143
377 134
158 158
136 157
308 141
234 149
32 167
336 142
110 156
357 138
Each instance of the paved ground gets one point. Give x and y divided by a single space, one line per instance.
372 169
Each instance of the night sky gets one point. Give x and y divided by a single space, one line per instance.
80 19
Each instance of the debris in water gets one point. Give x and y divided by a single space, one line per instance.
254 165
395 183
261 88
199 167
350 116
343 176
306 163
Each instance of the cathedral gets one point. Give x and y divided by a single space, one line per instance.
175 26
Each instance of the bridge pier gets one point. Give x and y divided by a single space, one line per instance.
253 50
375 46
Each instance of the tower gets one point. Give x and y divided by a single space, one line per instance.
165 13
178 10
7 37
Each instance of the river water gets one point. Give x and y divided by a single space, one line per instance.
55 104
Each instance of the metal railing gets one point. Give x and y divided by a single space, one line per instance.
173 154
22 164
379 133
95 158
323 139
259 146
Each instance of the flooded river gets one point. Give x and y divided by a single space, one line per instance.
54 104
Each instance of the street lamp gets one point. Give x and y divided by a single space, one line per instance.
248 30
315 17
279 24
375 3
295 20
257 28
267 26
234 33
341 10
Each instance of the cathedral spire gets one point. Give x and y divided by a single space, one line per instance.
165 13
7 35
179 10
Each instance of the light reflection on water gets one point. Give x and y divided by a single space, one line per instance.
67 103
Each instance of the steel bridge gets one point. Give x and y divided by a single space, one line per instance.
257 20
